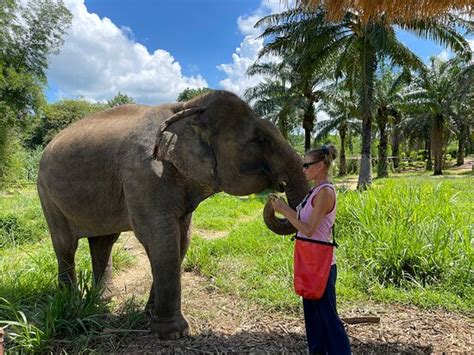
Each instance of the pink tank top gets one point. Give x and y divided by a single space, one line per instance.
324 229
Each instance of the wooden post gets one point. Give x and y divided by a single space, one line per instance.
359 320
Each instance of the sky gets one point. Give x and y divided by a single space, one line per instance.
152 50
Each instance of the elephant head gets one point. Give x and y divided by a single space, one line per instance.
219 144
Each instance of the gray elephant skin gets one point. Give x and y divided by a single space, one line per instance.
146 169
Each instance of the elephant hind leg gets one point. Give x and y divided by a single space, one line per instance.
101 254
64 241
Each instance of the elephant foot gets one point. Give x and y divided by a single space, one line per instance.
108 292
170 328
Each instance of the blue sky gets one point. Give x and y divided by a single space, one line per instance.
199 34
154 49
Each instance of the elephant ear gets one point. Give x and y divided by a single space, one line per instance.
183 140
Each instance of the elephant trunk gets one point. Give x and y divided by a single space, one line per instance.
296 190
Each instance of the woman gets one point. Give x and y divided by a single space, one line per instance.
315 218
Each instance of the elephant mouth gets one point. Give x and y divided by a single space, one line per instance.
281 186
277 224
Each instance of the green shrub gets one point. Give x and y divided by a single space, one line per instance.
31 164
15 231
21 219
12 157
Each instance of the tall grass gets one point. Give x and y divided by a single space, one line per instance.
405 240
35 311
411 232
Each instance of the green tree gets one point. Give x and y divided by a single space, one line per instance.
354 47
434 96
57 116
120 99
462 118
341 107
387 101
29 36
274 99
189 94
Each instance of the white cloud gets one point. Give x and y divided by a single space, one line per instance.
246 54
98 60
445 55
237 80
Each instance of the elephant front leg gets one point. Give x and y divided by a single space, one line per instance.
164 307
184 225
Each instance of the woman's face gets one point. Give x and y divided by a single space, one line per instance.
312 168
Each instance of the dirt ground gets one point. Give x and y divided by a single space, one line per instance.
222 323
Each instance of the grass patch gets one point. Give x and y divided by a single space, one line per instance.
221 212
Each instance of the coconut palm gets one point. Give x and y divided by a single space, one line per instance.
353 46
435 94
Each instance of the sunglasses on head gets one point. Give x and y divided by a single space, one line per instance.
307 165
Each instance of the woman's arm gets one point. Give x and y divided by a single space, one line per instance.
323 203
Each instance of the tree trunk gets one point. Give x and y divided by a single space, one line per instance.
367 65
396 142
382 170
429 162
282 124
462 139
308 124
437 144
470 142
342 154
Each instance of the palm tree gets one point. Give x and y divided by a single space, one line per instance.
417 128
462 111
435 94
341 108
353 45
462 120
299 83
406 9
388 88
274 99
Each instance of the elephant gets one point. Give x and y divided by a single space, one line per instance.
146 169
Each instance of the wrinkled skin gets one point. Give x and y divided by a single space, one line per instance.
146 169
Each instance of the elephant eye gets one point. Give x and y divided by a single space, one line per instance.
258 140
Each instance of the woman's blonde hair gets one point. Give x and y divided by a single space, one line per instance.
326 153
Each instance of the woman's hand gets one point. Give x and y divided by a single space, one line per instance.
277 203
